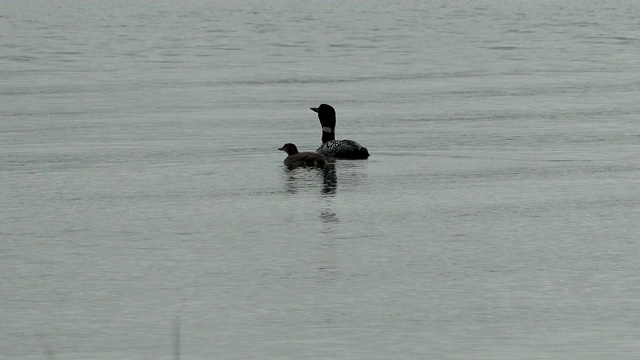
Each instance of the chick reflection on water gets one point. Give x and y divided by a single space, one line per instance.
307 177
303 169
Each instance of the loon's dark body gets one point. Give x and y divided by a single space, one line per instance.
339 149
297 159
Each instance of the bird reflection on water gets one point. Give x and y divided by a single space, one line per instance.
309 180
329 179
307 177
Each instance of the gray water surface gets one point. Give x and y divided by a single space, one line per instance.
497 217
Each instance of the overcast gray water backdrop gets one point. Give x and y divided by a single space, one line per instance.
497 217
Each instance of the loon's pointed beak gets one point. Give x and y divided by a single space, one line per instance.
281 149
314 109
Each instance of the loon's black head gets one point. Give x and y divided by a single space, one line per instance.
327 116
289 148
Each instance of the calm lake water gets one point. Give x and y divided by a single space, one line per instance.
497 217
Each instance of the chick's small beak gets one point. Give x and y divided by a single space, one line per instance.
314 109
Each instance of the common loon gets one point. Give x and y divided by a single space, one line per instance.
298 159
339 149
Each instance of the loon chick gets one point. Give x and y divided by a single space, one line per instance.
298 159
340 149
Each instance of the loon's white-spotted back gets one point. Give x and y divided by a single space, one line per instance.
343 149
340 149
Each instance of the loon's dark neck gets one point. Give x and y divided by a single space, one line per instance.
328 134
